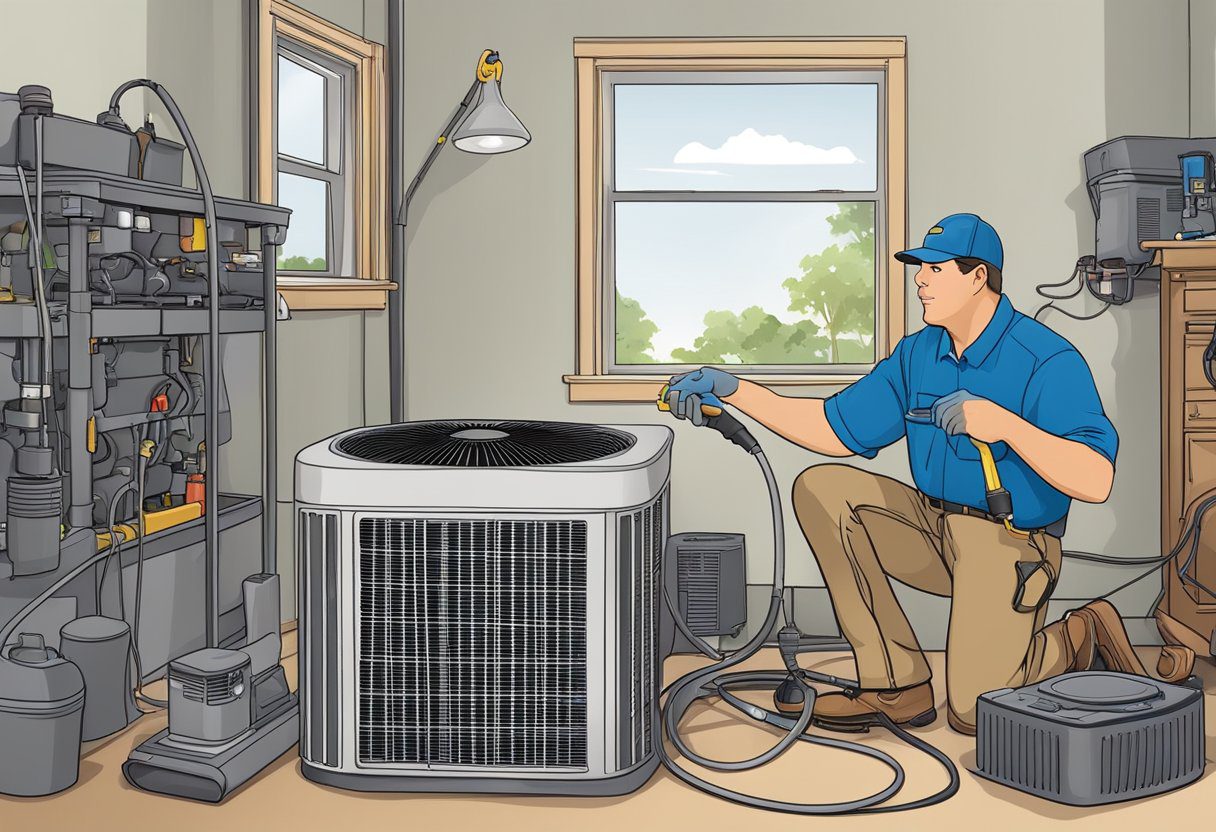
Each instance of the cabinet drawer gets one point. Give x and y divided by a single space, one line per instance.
1192 274
1198 465
1199 413
1199 298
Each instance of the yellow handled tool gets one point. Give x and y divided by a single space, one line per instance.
1000 504
999 501
706 409
718 419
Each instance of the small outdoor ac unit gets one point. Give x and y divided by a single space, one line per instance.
478 606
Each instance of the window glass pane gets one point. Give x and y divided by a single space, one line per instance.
745 283
746 137
308 199
301 112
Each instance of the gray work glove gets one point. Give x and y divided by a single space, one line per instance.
948 411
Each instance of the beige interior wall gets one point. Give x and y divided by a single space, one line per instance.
46 43
1003 100
1202 25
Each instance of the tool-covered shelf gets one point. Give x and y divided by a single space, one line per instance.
119 285
20 320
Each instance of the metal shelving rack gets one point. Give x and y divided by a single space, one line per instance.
78 199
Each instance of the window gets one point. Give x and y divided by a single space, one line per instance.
322 154
738 209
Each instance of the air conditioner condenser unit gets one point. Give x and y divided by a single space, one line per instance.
479 606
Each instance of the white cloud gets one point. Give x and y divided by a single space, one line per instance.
684 170
752 148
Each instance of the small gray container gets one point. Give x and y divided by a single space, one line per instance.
1091 737
99 647
41 707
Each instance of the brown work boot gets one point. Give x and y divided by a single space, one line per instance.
1096 631
1175 663
908 706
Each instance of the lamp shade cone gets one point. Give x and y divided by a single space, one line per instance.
490 127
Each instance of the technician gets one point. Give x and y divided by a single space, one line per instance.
979 369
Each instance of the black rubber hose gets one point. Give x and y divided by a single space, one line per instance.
211 387
115 547
139 586
713 681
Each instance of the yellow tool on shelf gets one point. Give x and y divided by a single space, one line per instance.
153 522
128 534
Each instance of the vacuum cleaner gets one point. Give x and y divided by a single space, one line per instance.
716 680
231 713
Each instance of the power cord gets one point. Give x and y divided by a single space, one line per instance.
146 448
1078 269
1190 534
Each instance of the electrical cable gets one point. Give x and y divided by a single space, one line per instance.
1076 317
43 284
211 387
1191 534
1078 270
712 680
139 583
7 630
1113 560
44 315
701 644
115 547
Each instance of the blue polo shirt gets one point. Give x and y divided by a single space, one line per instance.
1016 362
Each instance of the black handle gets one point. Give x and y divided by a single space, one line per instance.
733 429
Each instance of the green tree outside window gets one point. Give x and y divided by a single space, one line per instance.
835 291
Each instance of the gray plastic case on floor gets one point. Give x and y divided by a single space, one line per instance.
41 704
1091 737
100 648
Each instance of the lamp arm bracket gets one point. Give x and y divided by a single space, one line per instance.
403 214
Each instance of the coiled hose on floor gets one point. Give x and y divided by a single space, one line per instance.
715 680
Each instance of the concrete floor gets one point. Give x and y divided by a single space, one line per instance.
280 799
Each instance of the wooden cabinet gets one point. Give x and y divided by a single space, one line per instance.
1188 423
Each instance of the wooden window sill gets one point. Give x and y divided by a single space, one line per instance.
645 388
311 293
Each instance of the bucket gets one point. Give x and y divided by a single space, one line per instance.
41 711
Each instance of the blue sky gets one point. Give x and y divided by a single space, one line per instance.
301 125
307 199
659 128
680 260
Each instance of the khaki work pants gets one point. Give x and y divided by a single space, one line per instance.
864 528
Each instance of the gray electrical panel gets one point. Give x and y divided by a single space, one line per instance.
707 578
1135 187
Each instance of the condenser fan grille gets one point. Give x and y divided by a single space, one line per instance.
472 642
484 444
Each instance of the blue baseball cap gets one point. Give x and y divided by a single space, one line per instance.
958 235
